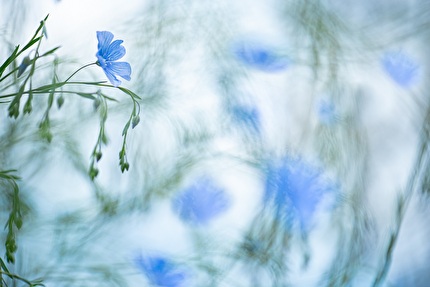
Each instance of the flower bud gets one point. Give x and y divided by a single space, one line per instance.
60 101
24 64
135 121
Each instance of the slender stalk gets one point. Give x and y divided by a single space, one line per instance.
14 276
81 68
404 202
44 91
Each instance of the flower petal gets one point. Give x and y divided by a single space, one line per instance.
101 61
104 38
115 51
122 69
111 76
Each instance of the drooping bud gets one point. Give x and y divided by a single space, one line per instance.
135 121
60 101
24 64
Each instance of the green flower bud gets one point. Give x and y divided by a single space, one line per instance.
28 107
60 101
96 104
125 166
93 173
135 121
18 222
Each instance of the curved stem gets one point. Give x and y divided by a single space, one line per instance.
14 276
81 68
414 184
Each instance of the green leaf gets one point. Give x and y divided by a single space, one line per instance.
15 53
87 96
42 23
50 99
108 98
7 174
9 60
130 93
29 44
50 51
3 266
49 88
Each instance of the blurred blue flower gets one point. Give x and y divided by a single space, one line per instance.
259 56
326 112
161 272
402 69
201 202
107 55
247 115
295 189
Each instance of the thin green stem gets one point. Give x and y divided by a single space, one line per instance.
14 276
81 68
404 203
45 89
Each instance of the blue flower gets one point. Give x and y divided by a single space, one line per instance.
161 271
201 202
295 189
402 69
109 52
259 56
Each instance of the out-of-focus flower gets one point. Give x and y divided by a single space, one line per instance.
247 115
201 202
326 112
161 271
401 68
107 55
295 189
259 56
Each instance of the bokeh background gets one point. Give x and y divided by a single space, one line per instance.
280 143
